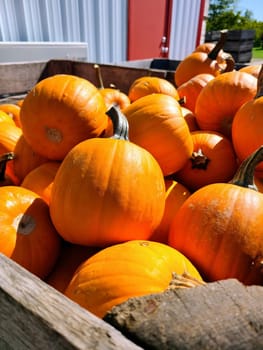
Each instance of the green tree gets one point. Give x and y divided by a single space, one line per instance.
223 14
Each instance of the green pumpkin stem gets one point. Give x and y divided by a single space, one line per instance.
120 124
245 174
260 83
220 44
4 158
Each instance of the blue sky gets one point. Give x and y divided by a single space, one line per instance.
255 6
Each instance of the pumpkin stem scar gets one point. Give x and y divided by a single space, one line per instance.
54 135
24 224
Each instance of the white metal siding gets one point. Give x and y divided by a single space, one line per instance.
184 25
102 24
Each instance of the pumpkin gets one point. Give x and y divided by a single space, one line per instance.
156 123
220 99
207 47
213 160
61 111
4 117
40 179
253 69
70 257
26 159
190 119
107 190
126 270
13 110
190 90
112 96
202 62
176 194
27 234
247 125
219 227
9 135
147 85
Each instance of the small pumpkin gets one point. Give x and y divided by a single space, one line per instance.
247 125
219 227
219 100
176 194
107 190
13 110
40 179
27 234
61 111
126 270
190 118
213 160
147 85
202 62
4 117
190 90
156 123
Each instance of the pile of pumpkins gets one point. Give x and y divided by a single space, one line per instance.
107 195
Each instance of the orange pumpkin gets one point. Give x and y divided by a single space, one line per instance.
61 111
220 99
40 179
4 117
176 194
156 123
190 119
126 270
27 234
107 191
13 110
202 62
26 159
253 69
247 125
70 258
219 227
213 160
190 90
147 85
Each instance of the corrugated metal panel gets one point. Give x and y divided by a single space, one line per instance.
102 24
184 24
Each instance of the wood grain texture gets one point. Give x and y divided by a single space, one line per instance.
36 316
221 315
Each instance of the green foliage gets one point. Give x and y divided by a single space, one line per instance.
222 14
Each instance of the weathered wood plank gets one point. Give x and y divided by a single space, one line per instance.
221 315
16 78
36 316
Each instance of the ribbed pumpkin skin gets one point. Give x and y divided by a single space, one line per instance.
156 123
247 134
220 99
126 270
151 85
219 228
114 97
253 69
61 111
107 191
221 165
27 233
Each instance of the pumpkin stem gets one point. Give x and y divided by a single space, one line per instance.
260 83
230 62
4 158
245 174
220 44
120 123
184 281
99 76
199 160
